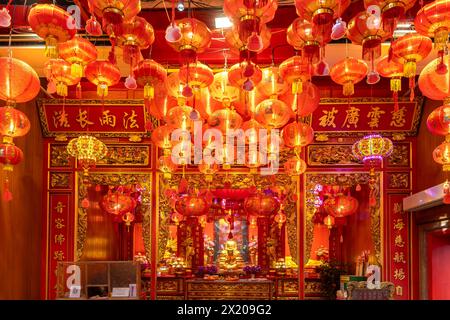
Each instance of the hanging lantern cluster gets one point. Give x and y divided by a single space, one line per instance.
121 203
19 83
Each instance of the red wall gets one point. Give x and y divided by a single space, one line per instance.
438 265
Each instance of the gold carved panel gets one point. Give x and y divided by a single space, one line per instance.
237 180
343 179
398 180
400 156
60 180
331 155
116 179
126 155
58 156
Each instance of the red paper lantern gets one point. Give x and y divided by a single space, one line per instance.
59 71
182 117
347 73
78 52
239 46
303 36
297 135
133 36
272 113
192 206
13 123
166 166
196 75
296 70
118 202
195 38
306 102
161 137
10 155
438 122
341 205
249 15
295 166
391 11
225 119
272 83
393 70
329 221
260 204
441 154
222 90
321 13
432 84
103 74
408 50
114 12
149 74
18 81
245 75
53 24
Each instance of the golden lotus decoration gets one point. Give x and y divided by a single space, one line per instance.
87 150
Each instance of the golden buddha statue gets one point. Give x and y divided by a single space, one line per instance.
230 258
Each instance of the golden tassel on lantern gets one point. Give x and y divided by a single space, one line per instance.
61 89
149 91
396 84
50 47
297 87
76 70
102 90
409 69
348 88
440 38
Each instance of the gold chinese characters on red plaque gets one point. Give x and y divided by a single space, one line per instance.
108 118
363 115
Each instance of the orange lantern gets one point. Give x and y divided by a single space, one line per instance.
341 205
225 119
78 52
10 155
348 72
161 137
114 12
195 38
166 166
296 70
245 75
321 13
391 11
251 129
118 202
361 32
393 70
441 154
306 102
371 149
133 36
272 84
103 74
250 15
432 84
329 221
59 71
51 23
148 74
302 36
208 169
272 113
175 86
433 21
408 50
18 81
240 47
438 122
182 117
192 205
295 166
261 204
13 123
222 90
280 219
297 135
196 75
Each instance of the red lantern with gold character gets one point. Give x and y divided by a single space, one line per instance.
245 75
441 154
272 83
13 123
10 155
272 113
294 166
118 202
347 73
261 204
297 135
51 23
408 50
192 206
78 52
149 74
103 74
296 70
341 205
304 103
18 81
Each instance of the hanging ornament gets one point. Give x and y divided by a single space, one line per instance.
93 27
446 190
339 29
5 18
348 72
78 52
393 70
114 12
103 74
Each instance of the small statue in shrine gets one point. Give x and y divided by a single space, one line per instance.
230 257
209 250
253 251
271 245
189 251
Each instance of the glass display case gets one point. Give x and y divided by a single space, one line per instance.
102 280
